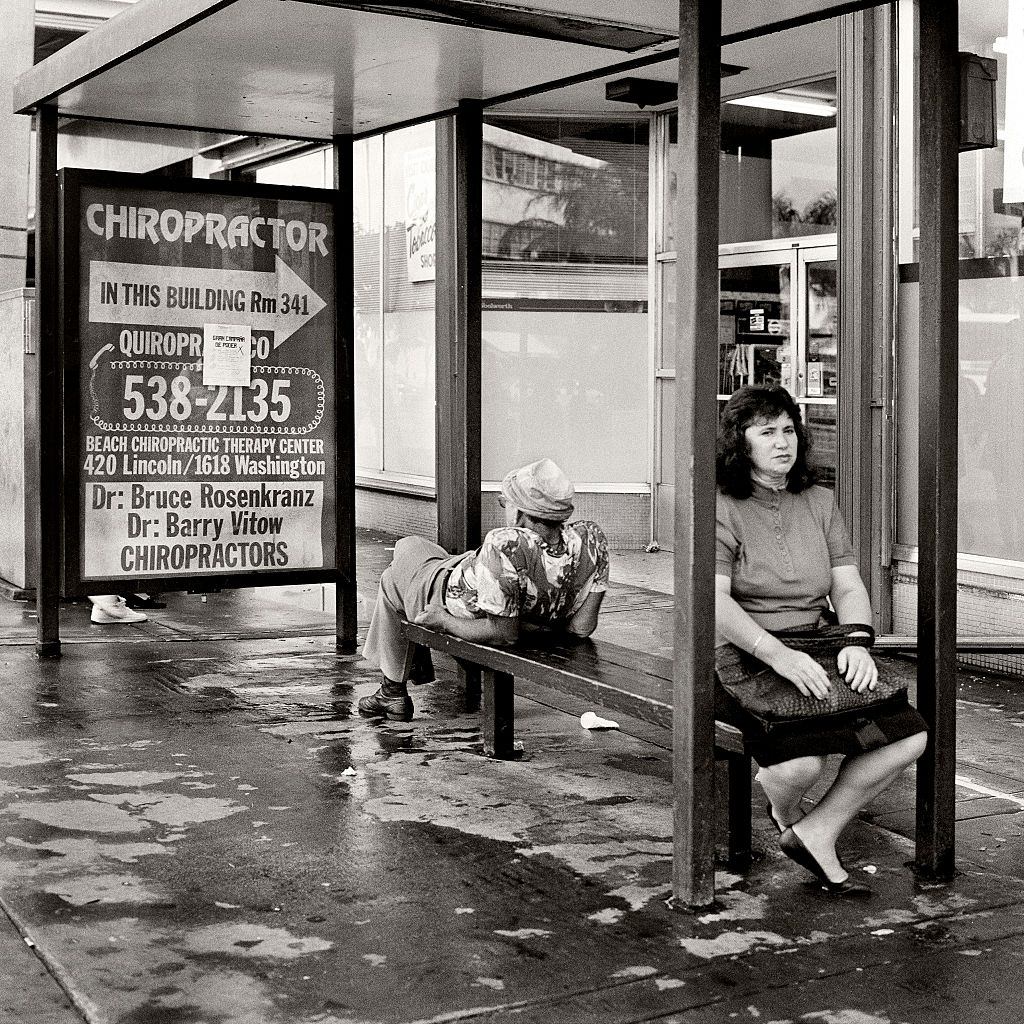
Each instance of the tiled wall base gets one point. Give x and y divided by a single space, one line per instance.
400 514
986 606
625 518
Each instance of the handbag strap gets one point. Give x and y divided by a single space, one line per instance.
832 636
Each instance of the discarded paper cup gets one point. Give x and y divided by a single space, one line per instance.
591 721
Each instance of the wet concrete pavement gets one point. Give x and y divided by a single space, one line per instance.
196 828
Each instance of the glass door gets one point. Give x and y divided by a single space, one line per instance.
756 340
777 324
818 358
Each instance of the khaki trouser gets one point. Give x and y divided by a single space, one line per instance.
406 588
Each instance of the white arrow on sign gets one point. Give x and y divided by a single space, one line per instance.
139 293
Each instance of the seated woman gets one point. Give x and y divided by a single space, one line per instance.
538 570
783 558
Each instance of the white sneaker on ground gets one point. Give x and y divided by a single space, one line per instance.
112 608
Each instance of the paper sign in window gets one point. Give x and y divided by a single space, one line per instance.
815 388
227 355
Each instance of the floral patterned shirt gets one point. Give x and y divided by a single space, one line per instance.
514 573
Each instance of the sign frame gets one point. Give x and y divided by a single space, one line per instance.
339 361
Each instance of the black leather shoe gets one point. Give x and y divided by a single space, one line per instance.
383 705
792 846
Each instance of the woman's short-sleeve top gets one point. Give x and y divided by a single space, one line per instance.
779 549
515 573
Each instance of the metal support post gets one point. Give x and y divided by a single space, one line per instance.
49 467
867 291
345 603
939 115
700 26
457 320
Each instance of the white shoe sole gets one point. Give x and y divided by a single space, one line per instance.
102 618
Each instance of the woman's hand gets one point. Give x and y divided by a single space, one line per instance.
857 668
802 671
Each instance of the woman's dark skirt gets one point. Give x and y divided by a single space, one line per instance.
850 735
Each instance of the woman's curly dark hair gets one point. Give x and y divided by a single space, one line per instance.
752 404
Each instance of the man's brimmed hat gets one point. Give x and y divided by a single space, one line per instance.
541 490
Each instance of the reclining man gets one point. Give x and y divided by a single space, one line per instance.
537 571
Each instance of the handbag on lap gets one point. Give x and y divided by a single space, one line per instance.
774 702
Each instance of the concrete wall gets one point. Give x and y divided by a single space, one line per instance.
16 48
18 501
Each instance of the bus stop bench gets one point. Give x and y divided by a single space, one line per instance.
621 680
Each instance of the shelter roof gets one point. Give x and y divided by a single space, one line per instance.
315 69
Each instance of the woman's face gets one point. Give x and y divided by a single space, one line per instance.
772 446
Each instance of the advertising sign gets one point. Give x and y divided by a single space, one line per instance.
200 375
420 214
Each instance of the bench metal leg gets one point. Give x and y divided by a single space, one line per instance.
469 676
409 661
499 716
740 797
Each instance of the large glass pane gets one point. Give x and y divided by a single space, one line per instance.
367 221
408 310
667 345
314 170
992 180
820 421
754 327
778 165
822 370
566 355
991 298
667 462
566 190
571 386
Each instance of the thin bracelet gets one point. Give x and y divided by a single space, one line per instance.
753 650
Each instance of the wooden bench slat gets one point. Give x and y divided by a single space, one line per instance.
641 688
602 672
635 683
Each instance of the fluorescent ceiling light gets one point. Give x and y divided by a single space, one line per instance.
791 104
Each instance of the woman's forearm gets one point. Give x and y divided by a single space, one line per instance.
740 629
849 596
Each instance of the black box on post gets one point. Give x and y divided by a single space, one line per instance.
978 77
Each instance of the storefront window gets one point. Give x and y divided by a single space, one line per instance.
777 169
394 305
565 342
408 306
565 348
991 318
313 170
367 218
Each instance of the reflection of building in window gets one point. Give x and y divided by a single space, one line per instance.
574 200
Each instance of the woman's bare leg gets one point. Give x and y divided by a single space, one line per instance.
786 783
859 781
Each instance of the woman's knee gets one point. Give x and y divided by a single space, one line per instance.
913 746
800 772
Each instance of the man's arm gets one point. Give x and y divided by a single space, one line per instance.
584 619
493 629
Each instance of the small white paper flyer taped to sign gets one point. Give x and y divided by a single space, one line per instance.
227 355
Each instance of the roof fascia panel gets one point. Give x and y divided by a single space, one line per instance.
134 30
520 21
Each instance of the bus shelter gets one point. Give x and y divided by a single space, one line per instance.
335 72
